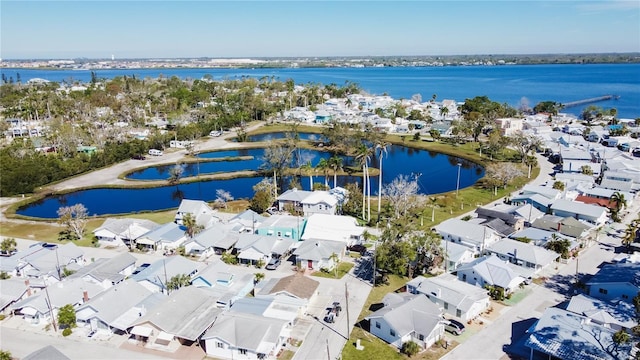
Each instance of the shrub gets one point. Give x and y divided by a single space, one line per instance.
410 348
66 332
2 317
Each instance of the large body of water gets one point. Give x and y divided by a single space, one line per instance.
505 84
436 173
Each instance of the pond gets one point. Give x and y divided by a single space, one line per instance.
283 135
436 173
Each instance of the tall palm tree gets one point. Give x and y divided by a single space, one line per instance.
335 163
382 150
307 169
363 156
323 166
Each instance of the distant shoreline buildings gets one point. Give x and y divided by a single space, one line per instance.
287 62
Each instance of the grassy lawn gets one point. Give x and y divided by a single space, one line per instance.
374 348
286 355
517 296
343 269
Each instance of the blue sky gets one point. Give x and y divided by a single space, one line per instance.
150 29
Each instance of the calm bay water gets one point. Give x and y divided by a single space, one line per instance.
505 84
436 173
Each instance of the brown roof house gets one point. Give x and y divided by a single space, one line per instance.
295 286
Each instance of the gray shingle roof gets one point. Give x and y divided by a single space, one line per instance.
523 251
451 290
186 313
493 270
107 268
171 266
578 208
48 352
318 250
408 313
297 285
246 331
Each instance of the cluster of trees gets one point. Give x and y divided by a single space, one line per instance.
193 108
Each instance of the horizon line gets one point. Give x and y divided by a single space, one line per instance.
637 53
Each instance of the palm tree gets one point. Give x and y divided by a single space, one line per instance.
323 166
619 202
336 260
629 235
191 225
335 163
363 156
307 169
382 148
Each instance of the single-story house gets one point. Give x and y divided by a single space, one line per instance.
615 315
285 226
295 286
236 335
490 271
567 226
407 317
216 239
333 227
168 236
13 290
615 281
48 352
182 317
123 232
474 236
276 307
37 308
115 309
155 276
593 214
292 198
252 248
453 296
199 210
457 254
319 254
319 202
107 271
223 283
523 254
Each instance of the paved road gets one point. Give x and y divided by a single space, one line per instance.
325 341
506 334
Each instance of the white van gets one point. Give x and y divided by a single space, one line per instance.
155 152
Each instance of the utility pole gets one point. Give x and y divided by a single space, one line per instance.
53 318
346 295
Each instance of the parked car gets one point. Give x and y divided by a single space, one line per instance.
215 133
358 248
273 264
138 157
155 152
330 318
91 333
453 326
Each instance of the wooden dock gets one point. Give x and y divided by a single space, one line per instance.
590 100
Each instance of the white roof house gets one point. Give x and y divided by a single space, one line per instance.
334 228
120 232
615 315
407 317
476 237
593 214
114 309
155 276
490 270
319 202
242 336
186 314
523 254
318 254
167 236
200 210
457 254
107 271
36 307
462 300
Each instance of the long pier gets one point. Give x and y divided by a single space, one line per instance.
590 100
